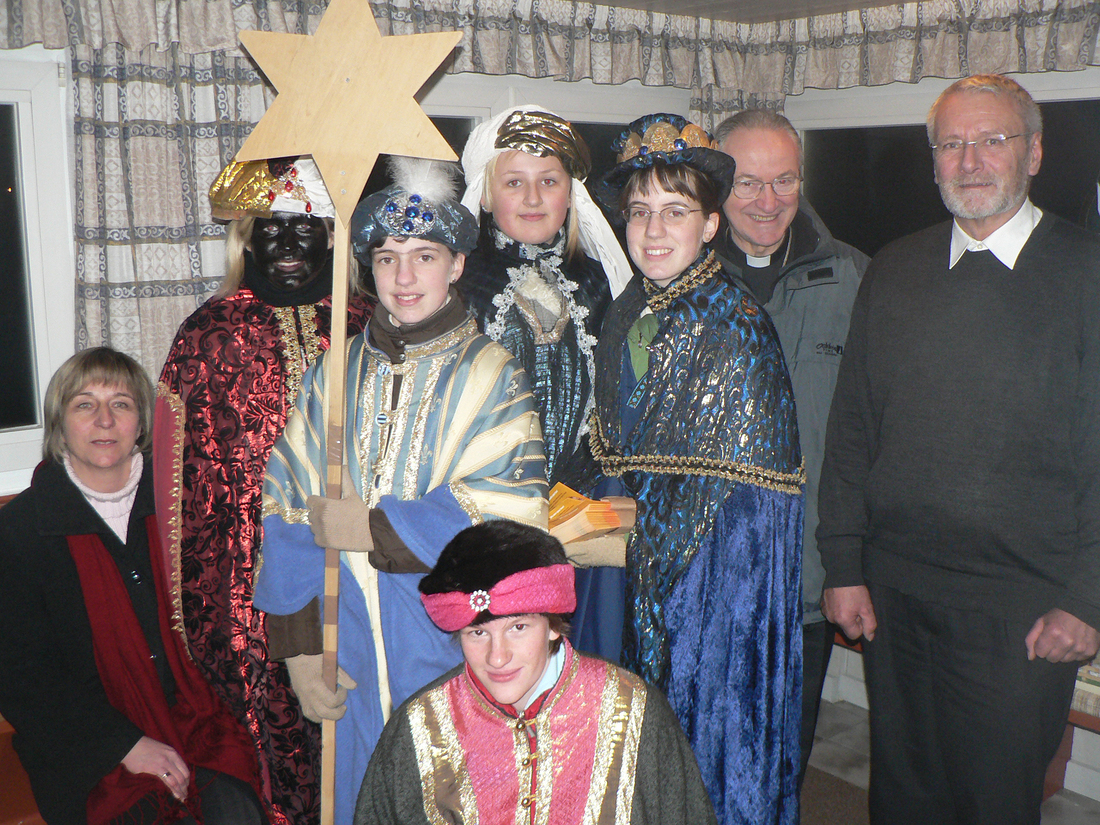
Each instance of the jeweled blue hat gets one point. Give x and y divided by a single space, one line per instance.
422 203
663 138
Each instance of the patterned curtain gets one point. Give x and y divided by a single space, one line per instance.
153 129
164 98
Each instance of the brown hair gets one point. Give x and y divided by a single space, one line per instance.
680 178
100 365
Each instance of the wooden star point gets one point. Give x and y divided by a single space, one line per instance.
346 95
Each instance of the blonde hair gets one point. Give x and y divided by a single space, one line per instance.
100 365
572 224
236 240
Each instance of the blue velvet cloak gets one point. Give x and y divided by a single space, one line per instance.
707 443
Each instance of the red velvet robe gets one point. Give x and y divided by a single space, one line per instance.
236 366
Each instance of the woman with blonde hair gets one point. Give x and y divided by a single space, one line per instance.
546 266
114 723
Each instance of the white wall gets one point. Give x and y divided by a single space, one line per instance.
898 104
473 95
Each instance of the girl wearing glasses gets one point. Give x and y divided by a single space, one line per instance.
695 414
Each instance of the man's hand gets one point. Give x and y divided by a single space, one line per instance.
318 702
850 609
1058 636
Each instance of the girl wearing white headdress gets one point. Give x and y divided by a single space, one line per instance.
546 267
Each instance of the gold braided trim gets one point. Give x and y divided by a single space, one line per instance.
614 464
444 342
444 777
466 501
291 515
295 357
658 300
173 542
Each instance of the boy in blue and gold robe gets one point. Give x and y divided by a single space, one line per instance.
441 433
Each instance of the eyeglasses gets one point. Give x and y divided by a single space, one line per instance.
747 188
990 144
670 215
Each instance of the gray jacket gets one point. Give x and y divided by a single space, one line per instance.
810 307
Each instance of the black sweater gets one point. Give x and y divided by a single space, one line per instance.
962 460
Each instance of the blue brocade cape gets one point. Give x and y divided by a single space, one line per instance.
707 443
504 282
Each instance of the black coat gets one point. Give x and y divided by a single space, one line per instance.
68 736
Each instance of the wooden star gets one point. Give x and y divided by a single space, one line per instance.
346 94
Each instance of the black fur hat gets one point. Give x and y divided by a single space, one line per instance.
480 556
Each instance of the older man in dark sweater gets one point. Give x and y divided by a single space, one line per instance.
960 495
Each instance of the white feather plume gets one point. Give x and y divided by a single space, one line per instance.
433 180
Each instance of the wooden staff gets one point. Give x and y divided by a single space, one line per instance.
345 94
336 364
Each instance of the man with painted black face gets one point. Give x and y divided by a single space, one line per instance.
231 378
960 495
775 243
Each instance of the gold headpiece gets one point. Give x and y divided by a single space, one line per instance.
661 136
256 188
541 134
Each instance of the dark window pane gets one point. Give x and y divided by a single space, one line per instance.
18 407
872 185
455 131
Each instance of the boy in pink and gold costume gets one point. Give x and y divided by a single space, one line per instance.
527 730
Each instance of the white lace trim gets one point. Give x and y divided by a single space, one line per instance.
551 268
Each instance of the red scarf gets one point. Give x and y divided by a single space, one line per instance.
199 726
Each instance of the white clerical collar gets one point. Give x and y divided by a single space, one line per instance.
758 263
1005 243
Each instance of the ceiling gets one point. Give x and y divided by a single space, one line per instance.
746 11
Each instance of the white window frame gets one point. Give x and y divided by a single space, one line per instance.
482 96
35 80
902 104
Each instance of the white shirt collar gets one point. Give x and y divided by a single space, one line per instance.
554 667
1005 243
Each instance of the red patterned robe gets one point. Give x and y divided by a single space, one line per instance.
236 365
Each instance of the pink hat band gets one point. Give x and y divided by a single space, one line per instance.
538 590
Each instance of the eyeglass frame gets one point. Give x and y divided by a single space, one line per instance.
1002 143
795 179
649 213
